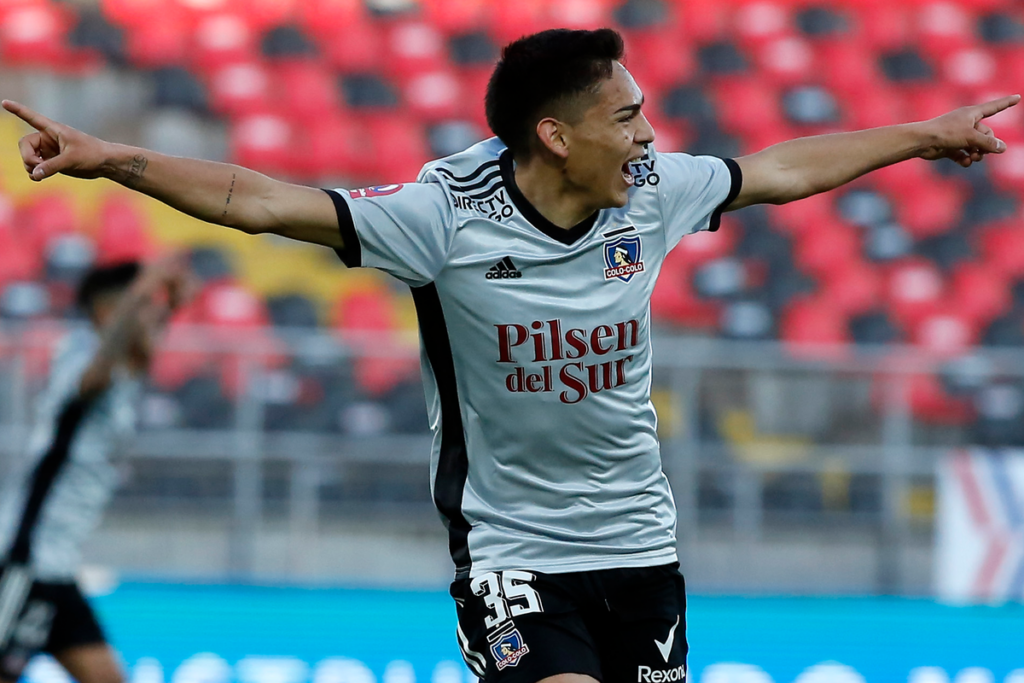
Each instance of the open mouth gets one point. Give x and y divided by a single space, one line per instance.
627 174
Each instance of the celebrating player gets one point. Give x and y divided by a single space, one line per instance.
45 514
532 257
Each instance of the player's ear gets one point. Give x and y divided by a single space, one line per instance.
552 135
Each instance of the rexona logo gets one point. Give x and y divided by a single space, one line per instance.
646 674
547 342
377 191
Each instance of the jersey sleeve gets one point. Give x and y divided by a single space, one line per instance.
694 190
404 230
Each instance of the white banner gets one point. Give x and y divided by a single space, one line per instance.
979 552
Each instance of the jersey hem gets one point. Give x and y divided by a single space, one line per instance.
634 561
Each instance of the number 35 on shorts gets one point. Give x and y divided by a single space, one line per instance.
506 594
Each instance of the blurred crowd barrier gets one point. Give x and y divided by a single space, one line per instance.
277 456
251 634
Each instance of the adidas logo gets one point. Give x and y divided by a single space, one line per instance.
503 270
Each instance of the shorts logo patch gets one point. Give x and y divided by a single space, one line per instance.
509 649
377 191
623 258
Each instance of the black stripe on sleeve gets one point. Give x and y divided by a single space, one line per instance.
453 462
45 474
350 253
736 179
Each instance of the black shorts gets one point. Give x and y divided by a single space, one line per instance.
616 625
37 616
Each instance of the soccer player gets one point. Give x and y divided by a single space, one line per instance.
532 257
46 513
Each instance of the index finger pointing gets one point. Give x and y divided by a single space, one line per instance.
996 106
32 118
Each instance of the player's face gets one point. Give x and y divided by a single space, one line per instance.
612 133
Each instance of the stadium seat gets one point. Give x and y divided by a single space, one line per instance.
332 21
847 66
221 39
980 293
704 22
241 88
137 13
944 28
434 96
328 148
263 142
930 208
412 48
803 216
970 67
364 319
759 21
43 217
121 234
931 403
354 48
884 26
746 105
1002 247
33 35
825 248
674 300
853 287
914 290
945 333
787 60
308 87
704 246
159 43
457 16
658 59
814 328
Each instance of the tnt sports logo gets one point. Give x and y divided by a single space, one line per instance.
622 258
509 649
377 191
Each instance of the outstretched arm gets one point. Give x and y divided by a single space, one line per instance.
223 194
800 168
143 310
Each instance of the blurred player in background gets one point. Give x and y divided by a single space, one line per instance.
47 512
532 257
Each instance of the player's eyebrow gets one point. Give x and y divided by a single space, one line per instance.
631 107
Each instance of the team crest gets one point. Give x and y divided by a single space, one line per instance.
623 258
376 191
509 649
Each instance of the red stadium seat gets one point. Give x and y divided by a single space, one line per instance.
659 59
34 35
44 217
309 89
18 260
704 22
182 354
760 21
367 319
241 88
434 95
138 13
847 67
885 26
946 333
264 142
746 105
331 21
458 16
944 28
1002 245
121 233
814 328
674 300
914 290
1007 169
980 292
971 67
903 178
930 208
826 247
221 39
854 287
579 14
879 105
930 403
159 43
927 103
512 20
356 49
805 215
396 148
412 48
231 306
787 60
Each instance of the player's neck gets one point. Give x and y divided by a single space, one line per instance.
547 189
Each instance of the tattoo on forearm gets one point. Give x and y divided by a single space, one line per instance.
231 191
135 170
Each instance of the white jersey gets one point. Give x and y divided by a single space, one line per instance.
536 353
58 497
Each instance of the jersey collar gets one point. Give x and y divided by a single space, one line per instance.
533 216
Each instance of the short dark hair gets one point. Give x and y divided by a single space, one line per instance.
105 280
543 70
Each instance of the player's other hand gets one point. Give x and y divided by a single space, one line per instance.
56 148
961 135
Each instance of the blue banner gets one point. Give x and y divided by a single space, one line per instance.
171 633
